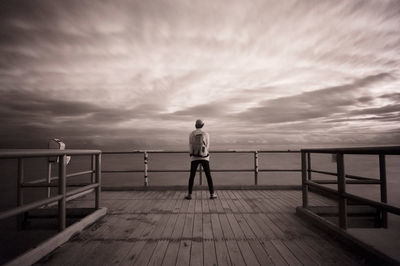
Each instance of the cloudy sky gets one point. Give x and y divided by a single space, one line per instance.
137 74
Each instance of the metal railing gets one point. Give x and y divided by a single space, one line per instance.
342 179
146 170
63 195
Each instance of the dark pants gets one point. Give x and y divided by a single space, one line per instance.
206 166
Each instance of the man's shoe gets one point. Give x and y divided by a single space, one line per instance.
188 197
213 196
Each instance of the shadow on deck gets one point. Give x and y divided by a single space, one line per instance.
241 227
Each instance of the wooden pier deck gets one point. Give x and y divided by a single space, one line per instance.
241 227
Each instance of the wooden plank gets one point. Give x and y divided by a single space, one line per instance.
188 227
178 228
237 231
248 233
169 228
226 228
247 253
211 206
222 253
121 252
144 256
225 206
178 205
185 205
310 252
234 252
184 253
158 254
151 225
331 250
121 228
133 253
196 253
216 227
232 206
171 253
265 225
191 205
141 229
205 206
285 252
260 253
277 232
299 253
198 226
207 227
218 205
162 223
253 225
209 255
198 207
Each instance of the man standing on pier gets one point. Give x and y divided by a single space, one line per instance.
199 143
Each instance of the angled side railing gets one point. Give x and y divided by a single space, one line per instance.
146 158
342 180
63 195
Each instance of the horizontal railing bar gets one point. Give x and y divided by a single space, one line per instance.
279 170
380 205
56 177
390 150
37 181
40 185
28 153
80 173
347 181
122 171
29 206
348 176
211 152
81 189
328 189
187 170
361 178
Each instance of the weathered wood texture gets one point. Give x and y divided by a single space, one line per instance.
241 227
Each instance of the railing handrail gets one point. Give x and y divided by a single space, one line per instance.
29 153
211 151
389 150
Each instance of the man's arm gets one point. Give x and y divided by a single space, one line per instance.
190 145
208 141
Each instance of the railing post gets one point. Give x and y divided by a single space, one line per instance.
61 191
342 190
93 168
256 168
98 180
382 173
304 179
146 157
49 179
309 165
20 195
200 174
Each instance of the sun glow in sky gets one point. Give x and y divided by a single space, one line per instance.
137 74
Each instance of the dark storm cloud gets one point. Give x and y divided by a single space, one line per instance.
320 103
